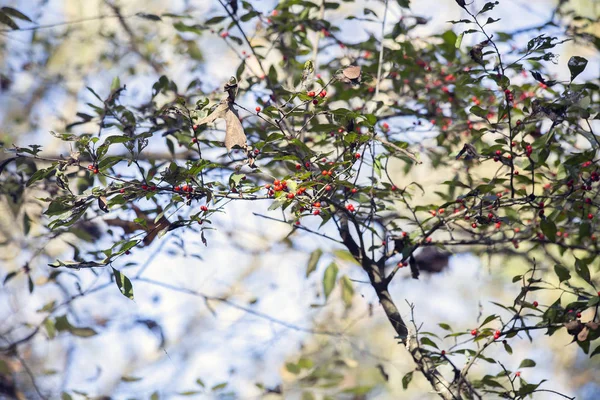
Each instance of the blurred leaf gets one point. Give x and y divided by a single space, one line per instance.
582 270
562 273
576 66
527 363
6 20
313 261
329 279
347 291
406 380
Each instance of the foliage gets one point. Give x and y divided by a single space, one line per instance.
316 137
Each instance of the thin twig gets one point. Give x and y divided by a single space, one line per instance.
380 65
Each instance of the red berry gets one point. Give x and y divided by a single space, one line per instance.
350 207
357 155
177 188
474 225
323 93
517 374
90 167
428 240
122 191
194 140
474 332
290 196
354 190
96 171
257 109
498 152
393 188
328 188
310 94
144 187
224 34
153 188
307 164
405 234
276 182
204 208
590 216
317 204
315 102
316 212
535 304
578 315
298 166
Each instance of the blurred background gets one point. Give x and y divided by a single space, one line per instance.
238 318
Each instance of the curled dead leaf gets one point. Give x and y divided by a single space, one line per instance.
351 74
103 203
574 327
234 131
582 336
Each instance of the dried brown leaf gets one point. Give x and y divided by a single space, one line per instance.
219 112
351 74
102 203
234 133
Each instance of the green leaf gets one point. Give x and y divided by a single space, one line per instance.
313 261
459 40
404 3
445 326
527 363
480 112
428 342
576 66
219 386
329 279
116 84
487 7
347 290
293 368
582 270
151 17
15 13
549 229
595 352
123 283
10 275
26 223
406 380
6 20
215 20
130 379
345 255
562 273
489 319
